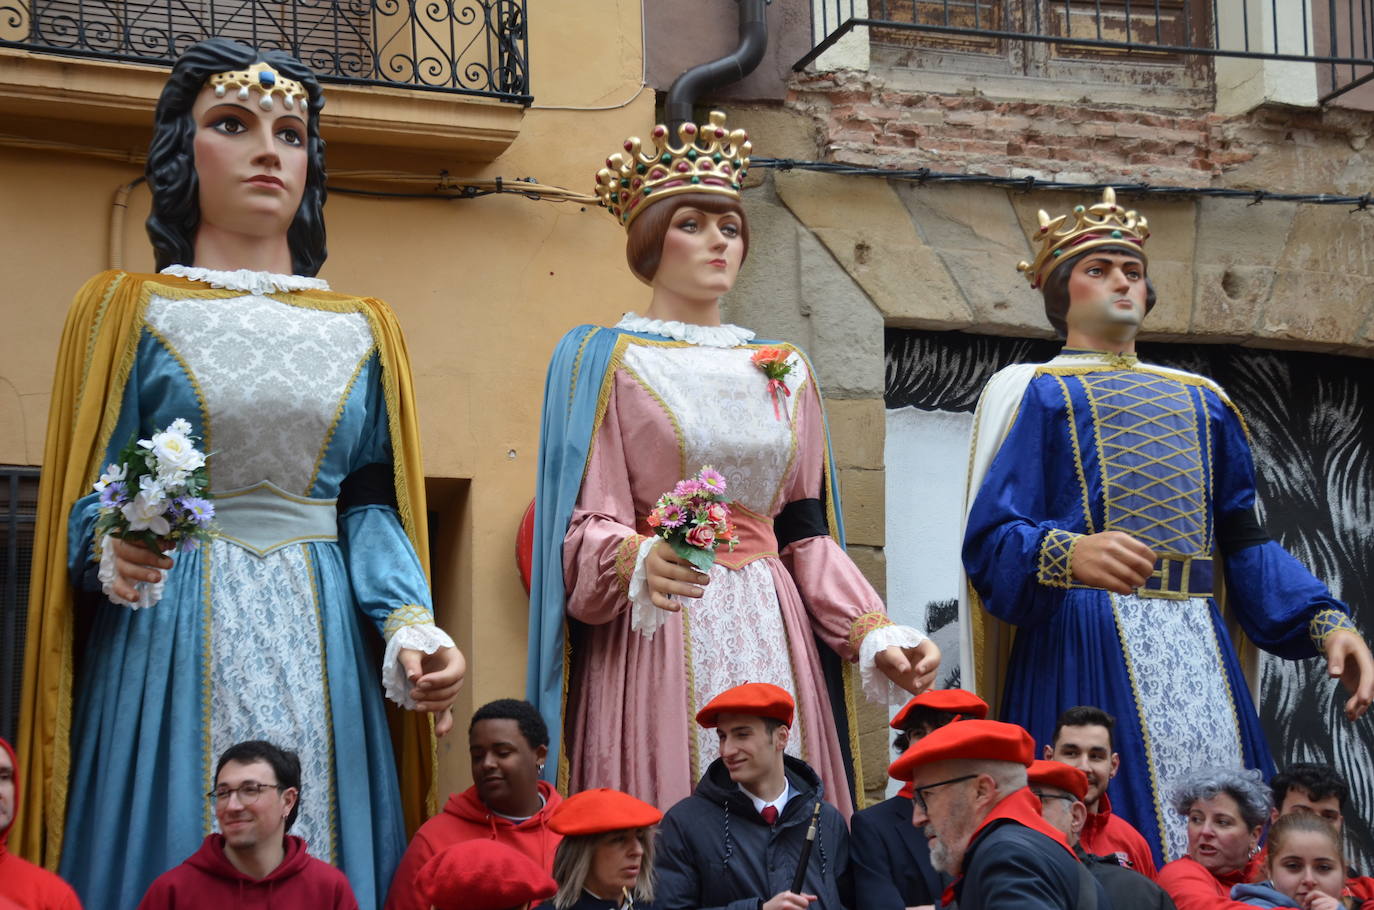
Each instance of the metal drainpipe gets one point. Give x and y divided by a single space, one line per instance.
753 41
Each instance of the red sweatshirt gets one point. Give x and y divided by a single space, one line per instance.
466 817
1105 834
21 882
208 879
1194 888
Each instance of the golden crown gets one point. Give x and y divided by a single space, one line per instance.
1103 224
266 80
708 159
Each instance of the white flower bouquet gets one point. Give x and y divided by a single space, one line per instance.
154 494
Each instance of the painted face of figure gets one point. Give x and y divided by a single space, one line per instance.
702 252
6 791
749 751
250 164
249 805
1299 800
1217 836
943 809
505 767
616 862
1089 749
1307 861
1107 294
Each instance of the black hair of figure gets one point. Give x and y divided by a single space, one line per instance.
171 168
1317 780
1086 716
920 720
525 715
1055 290
285 764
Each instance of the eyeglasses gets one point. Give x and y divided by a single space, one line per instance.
919 793
1045 796
248 792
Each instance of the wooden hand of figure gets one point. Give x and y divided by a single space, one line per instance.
1348 659
135 561
436 679
668 575
911 668
1112 560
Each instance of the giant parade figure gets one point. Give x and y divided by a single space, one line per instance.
1108 499
303 399
627 639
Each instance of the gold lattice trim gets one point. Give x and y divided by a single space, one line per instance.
1056 558
408 615
1327 623
626 555
866 623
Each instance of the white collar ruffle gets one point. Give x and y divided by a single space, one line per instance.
247 280
711 336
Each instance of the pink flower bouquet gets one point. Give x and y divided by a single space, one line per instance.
694 518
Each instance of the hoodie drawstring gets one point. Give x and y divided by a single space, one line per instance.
729 845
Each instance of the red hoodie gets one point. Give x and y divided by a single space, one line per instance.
208 879
31 887
1105 834
466 817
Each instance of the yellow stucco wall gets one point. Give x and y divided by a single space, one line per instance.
483 288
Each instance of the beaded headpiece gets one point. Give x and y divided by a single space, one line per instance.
708 159
1103 224
266 80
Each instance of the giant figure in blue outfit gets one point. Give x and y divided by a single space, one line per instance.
1108 500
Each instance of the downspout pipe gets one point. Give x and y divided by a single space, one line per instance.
753 41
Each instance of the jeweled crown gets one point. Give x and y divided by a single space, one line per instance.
266 80
1099 225
707 159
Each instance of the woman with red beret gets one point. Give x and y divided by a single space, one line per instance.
606 858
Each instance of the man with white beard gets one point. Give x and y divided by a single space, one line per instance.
984 826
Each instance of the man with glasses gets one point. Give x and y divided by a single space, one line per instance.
255 799
1063 791
969 795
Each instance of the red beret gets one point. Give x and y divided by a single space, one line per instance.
1060 776
601 810
756 699
951 701
972 740
482 875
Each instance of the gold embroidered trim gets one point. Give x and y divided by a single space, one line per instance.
338 416
1157 796
1077 456
1327 623
1056 558
407 615
328 709
626 555
864 624
206 684
667 412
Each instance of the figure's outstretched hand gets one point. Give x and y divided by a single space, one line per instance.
668 575
911 668
135 561
436 679
1113 560
1348 659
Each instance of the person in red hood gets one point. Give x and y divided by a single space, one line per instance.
507 744
21 882
253 863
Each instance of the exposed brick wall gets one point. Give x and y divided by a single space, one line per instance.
859 120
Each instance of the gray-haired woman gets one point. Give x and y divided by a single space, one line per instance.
1226 810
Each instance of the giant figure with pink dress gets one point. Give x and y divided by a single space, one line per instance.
627 639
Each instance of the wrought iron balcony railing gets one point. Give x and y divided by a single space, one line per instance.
1338 35
473 47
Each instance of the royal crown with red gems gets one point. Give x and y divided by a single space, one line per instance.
1103 224
708 159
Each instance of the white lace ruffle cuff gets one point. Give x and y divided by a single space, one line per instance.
425 637
645 618
149 592
877 686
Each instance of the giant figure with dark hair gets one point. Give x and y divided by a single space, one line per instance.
1107 501
303 396
628 412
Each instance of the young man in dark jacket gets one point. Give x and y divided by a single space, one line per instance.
737 842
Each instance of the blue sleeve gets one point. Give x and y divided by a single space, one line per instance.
1274 596
382 565
875 883
1015 555
679 880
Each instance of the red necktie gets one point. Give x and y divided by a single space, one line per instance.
770 814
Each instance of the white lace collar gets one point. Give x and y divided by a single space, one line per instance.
711 336
248 281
